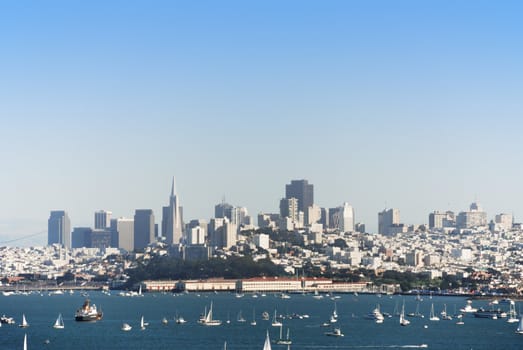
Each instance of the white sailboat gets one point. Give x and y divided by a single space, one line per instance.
433 317
284 341
240 318
142 324
267 344
519 330
253 322
24 323
126 327
59 323
512 316
334 316
275 322
208 320
403 320
25 341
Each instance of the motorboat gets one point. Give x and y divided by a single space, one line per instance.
336 332
88 313
468 308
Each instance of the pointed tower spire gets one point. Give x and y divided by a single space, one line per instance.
173 188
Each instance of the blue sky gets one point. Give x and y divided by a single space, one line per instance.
407 104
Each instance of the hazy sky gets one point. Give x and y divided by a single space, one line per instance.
415 105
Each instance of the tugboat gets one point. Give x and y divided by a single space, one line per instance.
88 313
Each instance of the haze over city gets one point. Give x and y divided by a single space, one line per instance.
412 105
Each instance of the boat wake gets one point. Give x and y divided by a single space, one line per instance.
415 346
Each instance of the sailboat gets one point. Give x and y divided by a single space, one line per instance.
142 324
59 323
126 327
25 341
286 341
275 322
444 314
208 320
334 316
240 317
519 330
403 320
225 345
24 323
433 317
512 316
253 322
267 344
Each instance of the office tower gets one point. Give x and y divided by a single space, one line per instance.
143 228
59 228
80 237
289 208
196 232
223 210
347 218
102 219
439 219
122 233
314 215
475 217
171 219
386 219
504 221
239 216
302 191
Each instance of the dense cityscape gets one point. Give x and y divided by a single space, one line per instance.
454 253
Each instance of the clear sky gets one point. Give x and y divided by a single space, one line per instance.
415 105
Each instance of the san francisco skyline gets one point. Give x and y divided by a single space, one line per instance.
380 104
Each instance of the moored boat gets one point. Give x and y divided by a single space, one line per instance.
88 313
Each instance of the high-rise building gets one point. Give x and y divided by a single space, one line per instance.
223 210
475 217
102 219
439 219
122 233
504 221
386 219
80 237
303 192
347 218
172 226
59 228
289 208
143 228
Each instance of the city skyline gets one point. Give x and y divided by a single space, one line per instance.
409 105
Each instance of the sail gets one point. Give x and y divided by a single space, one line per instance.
25 341
208 318
59 323
267 344
520 325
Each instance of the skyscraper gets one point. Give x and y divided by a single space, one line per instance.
59 228
122 233
143 228
347 218
302 191
386 219
102 219
171 219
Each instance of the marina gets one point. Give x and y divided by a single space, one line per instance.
121 327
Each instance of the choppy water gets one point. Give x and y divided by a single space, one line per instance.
306 333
